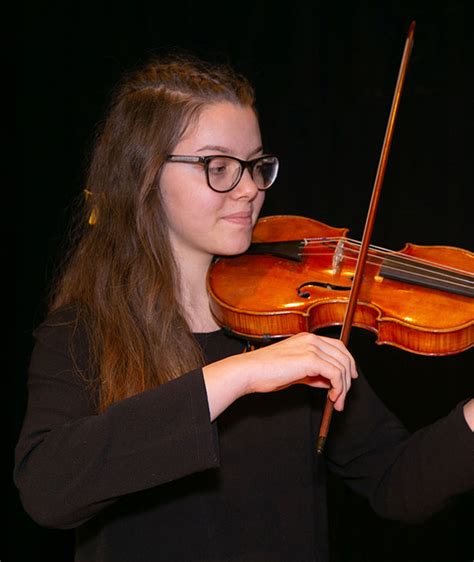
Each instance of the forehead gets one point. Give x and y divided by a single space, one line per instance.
228 125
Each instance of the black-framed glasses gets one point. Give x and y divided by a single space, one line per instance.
223 173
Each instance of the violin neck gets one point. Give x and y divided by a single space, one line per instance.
431 276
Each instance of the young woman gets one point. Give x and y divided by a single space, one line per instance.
150 430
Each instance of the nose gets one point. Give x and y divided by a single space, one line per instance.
246 187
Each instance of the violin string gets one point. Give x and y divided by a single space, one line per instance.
377 255
422 274
423 268
423 271
379 251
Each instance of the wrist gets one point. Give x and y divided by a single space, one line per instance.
226 381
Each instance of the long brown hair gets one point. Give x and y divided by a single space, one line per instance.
120 274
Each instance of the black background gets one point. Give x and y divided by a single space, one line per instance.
324 73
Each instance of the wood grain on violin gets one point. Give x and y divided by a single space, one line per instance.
420 299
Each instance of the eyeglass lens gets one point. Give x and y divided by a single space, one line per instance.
224 173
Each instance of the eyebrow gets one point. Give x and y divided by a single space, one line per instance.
224 149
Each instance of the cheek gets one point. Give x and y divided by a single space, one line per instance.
173 186
258 204
186 202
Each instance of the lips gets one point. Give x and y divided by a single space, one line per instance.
239 218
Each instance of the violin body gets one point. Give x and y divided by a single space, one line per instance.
269 295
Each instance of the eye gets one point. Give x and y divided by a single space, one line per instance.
219 166
217 170
262 167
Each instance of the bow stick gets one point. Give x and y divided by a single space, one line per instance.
369 225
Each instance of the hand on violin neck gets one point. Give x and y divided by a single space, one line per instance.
304 358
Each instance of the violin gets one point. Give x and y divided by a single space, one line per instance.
297 275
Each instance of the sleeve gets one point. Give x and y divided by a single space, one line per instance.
71 462
405 477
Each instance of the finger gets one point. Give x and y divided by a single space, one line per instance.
334 346
340 379
335 373
343 366
335 352
318 381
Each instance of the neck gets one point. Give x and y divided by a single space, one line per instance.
194 296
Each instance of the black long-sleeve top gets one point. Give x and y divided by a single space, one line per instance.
153 479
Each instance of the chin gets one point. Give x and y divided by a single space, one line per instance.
238 245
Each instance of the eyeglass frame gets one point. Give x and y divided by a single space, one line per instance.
244 164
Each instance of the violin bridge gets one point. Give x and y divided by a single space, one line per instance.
338 257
